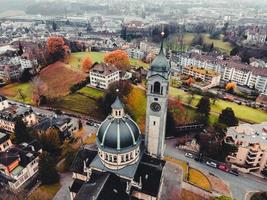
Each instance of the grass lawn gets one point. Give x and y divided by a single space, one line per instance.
80 103
12 91
244 113
197 178
45 191
75 59
218 43
91 92
90 140
136 102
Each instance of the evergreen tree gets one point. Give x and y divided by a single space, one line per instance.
228 117
50 141
21 131
203 106
47 169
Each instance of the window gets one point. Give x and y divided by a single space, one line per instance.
154 123
157 88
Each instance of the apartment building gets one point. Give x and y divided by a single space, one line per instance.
102 75
230 70
211 77
135 53
251 141
8 117
18 163
256 35
9 72
3 103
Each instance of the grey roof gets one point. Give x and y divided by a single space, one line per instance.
104 68
117 104
118 133
3 137
160 63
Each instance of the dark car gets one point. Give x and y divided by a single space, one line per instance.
90 123
234 172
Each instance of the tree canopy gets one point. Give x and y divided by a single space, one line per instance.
57 48
203 105
86 64
21 131
228 117
118 58
47 169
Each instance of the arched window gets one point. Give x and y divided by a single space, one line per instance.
157 88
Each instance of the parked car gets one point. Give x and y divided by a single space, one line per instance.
234 172
211 164
189 155
223 167
90 123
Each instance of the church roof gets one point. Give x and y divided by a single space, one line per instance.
118 133
117 104
160 63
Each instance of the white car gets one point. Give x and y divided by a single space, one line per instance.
211 164
189 155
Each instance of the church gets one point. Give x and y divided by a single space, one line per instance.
125 164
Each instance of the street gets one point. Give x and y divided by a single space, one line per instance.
239 185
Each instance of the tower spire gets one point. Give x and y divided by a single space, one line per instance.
161 45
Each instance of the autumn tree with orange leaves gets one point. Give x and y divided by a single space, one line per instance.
119 58
230 87
57 48
86 64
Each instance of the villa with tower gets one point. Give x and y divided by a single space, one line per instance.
125 164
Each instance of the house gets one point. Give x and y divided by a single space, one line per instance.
18 163
8 117
65 125
10 72
103 74
251 141
3 103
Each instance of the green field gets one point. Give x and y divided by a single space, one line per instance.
18 91
218 43
75 59
83 101
244 113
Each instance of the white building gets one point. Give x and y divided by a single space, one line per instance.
102 75
230 70
211 77
17 163
256 36
251 141
8 117
3 103
135 53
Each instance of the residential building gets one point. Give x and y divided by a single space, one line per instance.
256 35
230 70
8 117
135 53
3 103
65 125
18 163
102 75
9 72
251 141
211 77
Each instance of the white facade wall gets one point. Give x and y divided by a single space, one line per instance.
101 81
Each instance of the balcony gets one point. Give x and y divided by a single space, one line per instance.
250 162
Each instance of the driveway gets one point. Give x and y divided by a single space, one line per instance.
65 181
239 185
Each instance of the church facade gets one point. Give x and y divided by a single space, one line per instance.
123 164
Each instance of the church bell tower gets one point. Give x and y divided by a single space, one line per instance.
157 103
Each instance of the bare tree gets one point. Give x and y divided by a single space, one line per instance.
39 89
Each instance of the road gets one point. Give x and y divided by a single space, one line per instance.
239 185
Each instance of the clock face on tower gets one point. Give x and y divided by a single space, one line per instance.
155 107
